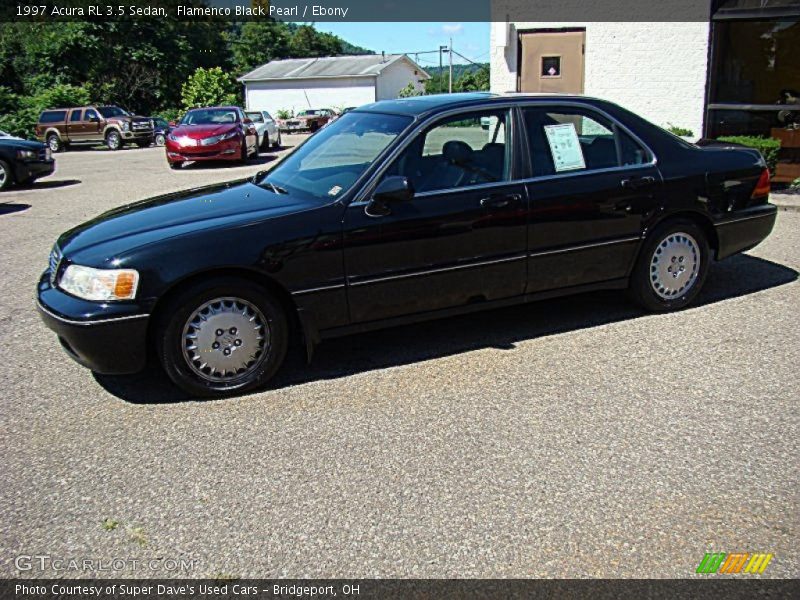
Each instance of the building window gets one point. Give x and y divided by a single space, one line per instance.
551 66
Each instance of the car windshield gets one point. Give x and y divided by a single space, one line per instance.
255 117
112 111
330 162
209 116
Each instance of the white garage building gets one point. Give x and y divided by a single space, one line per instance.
330 82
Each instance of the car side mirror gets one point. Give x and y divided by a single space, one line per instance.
94 120
391 190
172 124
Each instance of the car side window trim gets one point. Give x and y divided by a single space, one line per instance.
363 196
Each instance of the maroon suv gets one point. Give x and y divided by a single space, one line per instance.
215 133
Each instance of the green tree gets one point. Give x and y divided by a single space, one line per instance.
208 87
259 42
409 91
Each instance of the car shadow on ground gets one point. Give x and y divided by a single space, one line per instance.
12 207
47 184
499 328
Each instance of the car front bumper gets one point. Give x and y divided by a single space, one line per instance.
225 150
138 136
106 338
33 169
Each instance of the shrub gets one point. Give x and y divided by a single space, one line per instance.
22 113
679 131
208 87
284 113
768 147
409 91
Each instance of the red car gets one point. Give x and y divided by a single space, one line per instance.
216 133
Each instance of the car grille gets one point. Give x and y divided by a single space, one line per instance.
143 125
292 123
54 263
44 153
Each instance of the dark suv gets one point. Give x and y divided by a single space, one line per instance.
111 125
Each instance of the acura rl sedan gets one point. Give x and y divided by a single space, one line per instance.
400 211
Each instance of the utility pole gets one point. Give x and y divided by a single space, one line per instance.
450 54
441 75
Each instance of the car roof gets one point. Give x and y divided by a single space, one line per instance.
420 105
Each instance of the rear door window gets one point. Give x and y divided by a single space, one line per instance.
53 116
75 115
564 140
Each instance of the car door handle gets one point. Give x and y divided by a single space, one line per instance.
499 200
637 182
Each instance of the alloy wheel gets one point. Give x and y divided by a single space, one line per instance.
225 339
3 177
674 266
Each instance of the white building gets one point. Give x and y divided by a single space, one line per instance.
331 82
718 76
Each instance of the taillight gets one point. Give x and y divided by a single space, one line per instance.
762 187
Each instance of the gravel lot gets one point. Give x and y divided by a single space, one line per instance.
569 438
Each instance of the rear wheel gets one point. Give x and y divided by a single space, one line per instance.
55 143
113 140
221 337
277 143
672 267
6 178
265 142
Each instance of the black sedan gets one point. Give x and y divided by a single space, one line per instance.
23 162
400 211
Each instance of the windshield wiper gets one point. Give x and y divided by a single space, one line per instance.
275 188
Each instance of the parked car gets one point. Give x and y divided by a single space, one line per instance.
401 211
111 125
215 133
161 129
267 129
3 134
23 161
306 120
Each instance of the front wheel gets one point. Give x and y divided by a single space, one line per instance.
277 143
5 175
113 140
672 267
55 143
221 337
160 139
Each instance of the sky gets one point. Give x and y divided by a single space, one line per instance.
470 39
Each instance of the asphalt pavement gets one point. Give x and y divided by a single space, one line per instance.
570 438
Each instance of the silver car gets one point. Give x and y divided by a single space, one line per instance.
266 128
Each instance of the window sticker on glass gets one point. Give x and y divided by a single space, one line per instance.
334 190
565 147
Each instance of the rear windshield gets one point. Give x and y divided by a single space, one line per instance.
53 116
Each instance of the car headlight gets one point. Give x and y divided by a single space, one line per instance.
125 126
99 284
219 138
26 154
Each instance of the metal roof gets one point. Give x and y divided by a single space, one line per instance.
367 65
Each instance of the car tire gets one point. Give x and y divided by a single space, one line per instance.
218 315
113 140
672 266
6 176
265 142
277 143
243 154
160 139
55 143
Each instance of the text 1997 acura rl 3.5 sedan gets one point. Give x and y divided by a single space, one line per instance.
398 211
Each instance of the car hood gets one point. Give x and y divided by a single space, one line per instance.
151 221
199 132
9 142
